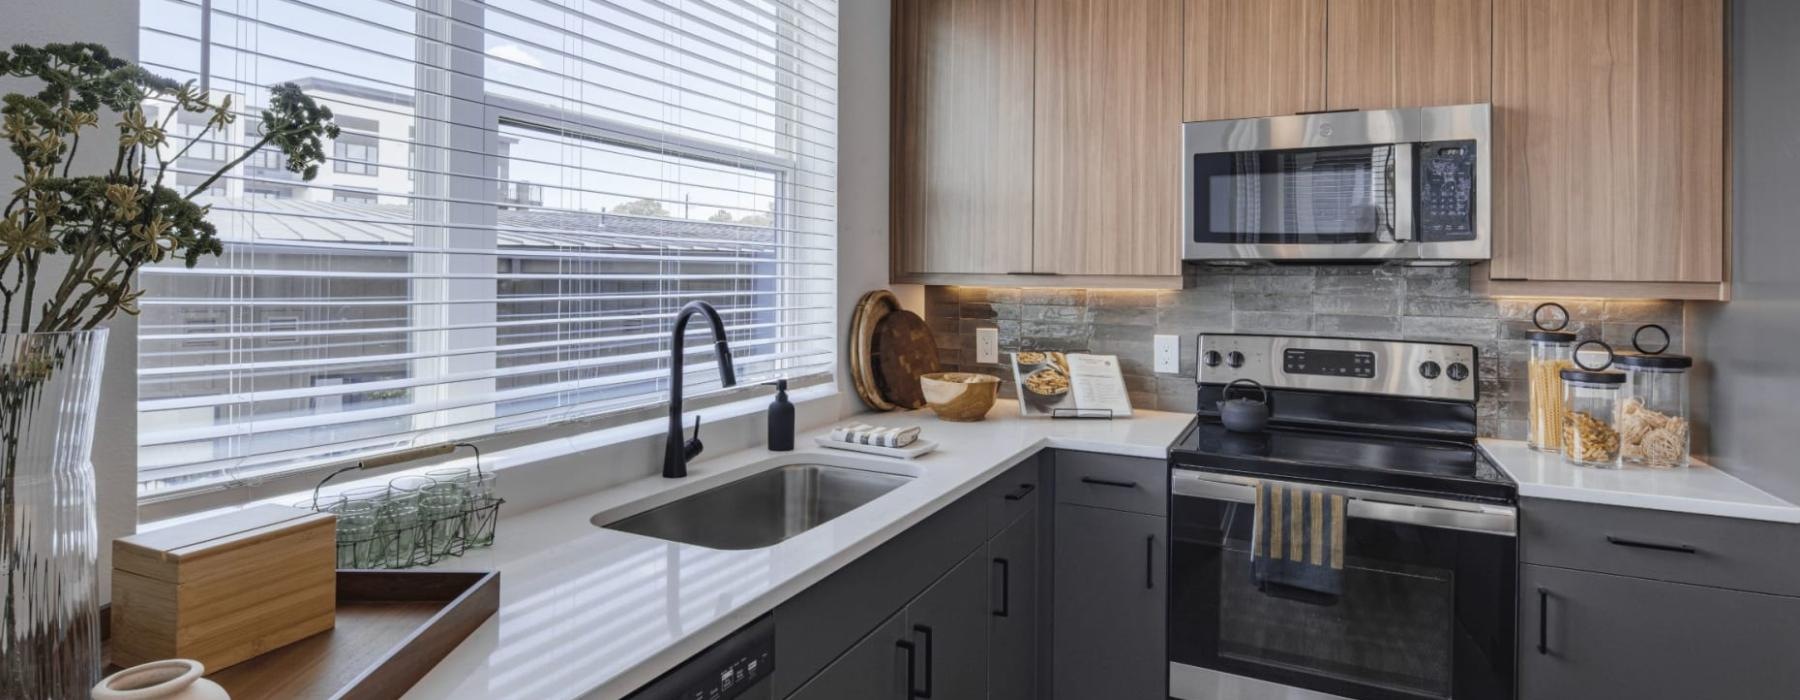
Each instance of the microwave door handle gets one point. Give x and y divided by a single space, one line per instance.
1402 177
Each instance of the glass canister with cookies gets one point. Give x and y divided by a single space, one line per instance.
1590 424
1653 406
1551 353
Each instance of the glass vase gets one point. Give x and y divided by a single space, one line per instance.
49 542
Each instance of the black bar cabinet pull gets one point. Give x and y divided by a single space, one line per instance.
930 651
1024 490
911 663
1005 587
1543 620
1150 562
1108 482
1640 544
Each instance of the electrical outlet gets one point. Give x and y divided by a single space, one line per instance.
1168 354
987 345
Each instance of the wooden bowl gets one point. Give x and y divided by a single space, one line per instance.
960 396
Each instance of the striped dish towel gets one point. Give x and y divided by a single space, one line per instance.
1298 542
865 434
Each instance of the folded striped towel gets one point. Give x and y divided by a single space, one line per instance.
865 434
1298 541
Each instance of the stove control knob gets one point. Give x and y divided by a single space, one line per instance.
1234 359
1457 371
1212 358
1430 370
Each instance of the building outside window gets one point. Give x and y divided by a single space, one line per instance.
354 154
350 196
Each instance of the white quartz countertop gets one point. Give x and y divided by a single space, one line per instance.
589 612
1699 489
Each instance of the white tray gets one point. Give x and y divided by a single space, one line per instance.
918 447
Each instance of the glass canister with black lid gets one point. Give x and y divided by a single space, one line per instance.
1654 428
1590 423
1552 351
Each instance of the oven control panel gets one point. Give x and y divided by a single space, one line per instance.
1392 367
1359 364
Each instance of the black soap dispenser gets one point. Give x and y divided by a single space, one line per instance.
781 418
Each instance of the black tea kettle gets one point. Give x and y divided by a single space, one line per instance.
1244 415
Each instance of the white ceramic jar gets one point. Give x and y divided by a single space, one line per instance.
174 679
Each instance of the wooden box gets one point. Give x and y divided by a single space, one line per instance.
224 589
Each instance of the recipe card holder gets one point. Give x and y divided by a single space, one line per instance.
1081 413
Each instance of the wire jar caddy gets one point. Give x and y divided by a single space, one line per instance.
412 520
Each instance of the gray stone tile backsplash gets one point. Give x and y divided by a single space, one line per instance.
1375 302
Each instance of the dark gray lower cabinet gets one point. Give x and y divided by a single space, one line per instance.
1110 607
1013 611
960 596
874 668
1592 635
936 648
948 628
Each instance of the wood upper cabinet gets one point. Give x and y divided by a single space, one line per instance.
962 163
1253 58
1609 144
1407 53
1108 112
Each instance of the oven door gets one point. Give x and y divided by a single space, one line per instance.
1427 608
1395 184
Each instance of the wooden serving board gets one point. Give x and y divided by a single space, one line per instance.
904 350
392 628
869 311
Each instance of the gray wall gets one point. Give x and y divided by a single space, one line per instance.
1356 301
114 24
1749 373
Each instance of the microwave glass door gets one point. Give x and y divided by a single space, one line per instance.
1425 613
1340 195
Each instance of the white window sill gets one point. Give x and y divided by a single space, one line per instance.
545 471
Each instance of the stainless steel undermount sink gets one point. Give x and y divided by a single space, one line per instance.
761 509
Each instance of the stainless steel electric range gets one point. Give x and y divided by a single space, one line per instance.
1429 575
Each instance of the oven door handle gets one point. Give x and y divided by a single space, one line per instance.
1406 509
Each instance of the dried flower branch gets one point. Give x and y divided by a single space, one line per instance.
109 226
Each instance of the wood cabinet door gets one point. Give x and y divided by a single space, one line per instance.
1609 140
962 122
1592 635
1408 53
1108 137
1253 58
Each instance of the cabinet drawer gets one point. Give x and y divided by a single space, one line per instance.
1133 484
1748 555
1010 495
1589 635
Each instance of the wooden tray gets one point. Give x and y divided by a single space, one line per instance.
392 628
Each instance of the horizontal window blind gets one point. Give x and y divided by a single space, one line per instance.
523 194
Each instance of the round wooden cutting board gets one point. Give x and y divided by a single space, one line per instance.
869 311
904 349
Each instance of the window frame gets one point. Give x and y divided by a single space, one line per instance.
465 57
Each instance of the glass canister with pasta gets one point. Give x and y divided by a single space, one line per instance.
1551 353
1653 407
1590 427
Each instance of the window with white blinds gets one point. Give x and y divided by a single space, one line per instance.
523 194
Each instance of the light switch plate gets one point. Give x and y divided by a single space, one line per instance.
1168 354
987 345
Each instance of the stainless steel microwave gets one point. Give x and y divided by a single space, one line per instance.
1400 185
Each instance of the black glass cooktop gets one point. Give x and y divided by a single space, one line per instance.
1372 461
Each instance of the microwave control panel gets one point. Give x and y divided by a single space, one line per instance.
1445 187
